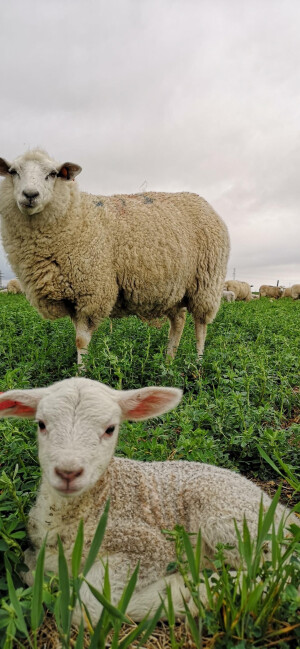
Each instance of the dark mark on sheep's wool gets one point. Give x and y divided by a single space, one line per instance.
148 199
99 204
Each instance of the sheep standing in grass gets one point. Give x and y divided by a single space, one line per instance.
295 291
90 257
78 424
270 291
241 290
14 286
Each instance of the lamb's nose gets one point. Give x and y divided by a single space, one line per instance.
30 194
68 475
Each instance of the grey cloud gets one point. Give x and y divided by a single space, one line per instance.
185 95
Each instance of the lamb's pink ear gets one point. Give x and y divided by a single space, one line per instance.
148 402
69 170
4 167
20 403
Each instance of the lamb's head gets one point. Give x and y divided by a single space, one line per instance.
78 423
33 177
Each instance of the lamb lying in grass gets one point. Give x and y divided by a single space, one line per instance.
78 424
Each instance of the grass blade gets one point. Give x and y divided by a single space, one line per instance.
20 621
97 540
64 586
106 604
37 591
128 590
77 550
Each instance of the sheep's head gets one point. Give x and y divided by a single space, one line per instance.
78 423
33 176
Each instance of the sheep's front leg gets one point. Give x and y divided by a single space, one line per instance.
94 577
84 331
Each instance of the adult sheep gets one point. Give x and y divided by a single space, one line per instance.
90 257
270 291
78 423
14 286
241 290
295 291
287 292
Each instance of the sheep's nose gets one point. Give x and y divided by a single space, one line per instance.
68 475
30 194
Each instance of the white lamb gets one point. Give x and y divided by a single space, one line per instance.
78 424
228 296
90 257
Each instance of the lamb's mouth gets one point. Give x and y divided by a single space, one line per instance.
68 490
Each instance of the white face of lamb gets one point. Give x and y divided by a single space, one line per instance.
76 438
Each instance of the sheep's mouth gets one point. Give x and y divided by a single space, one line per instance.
27 207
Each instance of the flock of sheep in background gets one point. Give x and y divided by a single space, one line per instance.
241 291
233 290
90 257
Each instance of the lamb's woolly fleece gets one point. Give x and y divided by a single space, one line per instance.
14 286
295 291
90 257
228 296
145 498
270 291
241 290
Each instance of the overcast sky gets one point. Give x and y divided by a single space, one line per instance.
196 95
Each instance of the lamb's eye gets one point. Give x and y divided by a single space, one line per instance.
52 174
41 425
13 172
110 430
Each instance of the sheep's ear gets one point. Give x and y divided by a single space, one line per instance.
148 402
69 170
20 403
4 167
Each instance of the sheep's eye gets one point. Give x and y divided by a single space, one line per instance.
13 172
52 174
41 425
110 430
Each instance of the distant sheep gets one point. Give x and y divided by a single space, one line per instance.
90 257
78 423
295 291
14 286
270 291
228 296
287 292
241 290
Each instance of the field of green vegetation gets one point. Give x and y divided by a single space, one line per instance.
244 394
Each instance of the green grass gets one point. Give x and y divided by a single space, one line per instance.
244 394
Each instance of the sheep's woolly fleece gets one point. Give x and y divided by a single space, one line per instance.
270 291
241 290
91 257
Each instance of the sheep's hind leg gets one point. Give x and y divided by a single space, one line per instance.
200 331
177 321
